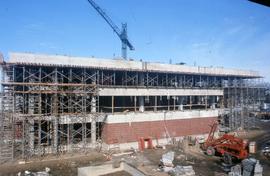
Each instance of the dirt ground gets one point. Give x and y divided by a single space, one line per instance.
208 166
260 136
60 166
146 161
202 164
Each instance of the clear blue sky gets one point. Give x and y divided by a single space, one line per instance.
228 33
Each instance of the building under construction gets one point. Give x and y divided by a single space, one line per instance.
58 104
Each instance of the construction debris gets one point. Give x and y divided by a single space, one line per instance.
167 166
40 173
235 170
182 171
251 166
167 159
258 170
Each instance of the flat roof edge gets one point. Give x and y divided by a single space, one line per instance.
117 64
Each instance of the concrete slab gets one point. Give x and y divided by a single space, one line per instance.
108 169
42 59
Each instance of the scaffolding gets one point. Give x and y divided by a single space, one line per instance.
242 101
48 110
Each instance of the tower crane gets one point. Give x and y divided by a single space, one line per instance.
122 34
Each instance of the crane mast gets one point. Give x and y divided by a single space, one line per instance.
122 34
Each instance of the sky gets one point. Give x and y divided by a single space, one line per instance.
224 33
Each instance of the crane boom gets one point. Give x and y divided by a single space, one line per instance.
122 34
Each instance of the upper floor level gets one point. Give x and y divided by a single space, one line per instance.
111 72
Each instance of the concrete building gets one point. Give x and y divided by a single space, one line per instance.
54 104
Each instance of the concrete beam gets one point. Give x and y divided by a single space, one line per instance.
158 92
160 116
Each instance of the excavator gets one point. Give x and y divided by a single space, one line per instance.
228 146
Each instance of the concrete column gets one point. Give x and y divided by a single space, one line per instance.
135 103
141 98
174 99
141 103
180 103
68 138
168 100
24 130
213 100
206 102
219 101
155 108
39 137
93 121
93 131
55 139
31 135
84 140
56 120
112 104
93 104
31 104
190 102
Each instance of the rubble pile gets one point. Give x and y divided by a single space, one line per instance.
167 166
167 159
248 166
251 166
235 170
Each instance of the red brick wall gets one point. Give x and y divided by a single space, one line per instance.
130 132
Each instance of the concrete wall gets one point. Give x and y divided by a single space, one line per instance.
124 65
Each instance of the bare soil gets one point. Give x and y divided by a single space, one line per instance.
60 166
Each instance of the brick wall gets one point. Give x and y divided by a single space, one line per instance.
130 132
